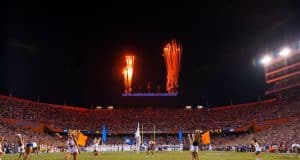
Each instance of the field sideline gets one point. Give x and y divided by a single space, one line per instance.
162 156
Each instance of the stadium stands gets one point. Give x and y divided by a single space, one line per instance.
277 121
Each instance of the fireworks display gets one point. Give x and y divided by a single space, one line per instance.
128 73
172 56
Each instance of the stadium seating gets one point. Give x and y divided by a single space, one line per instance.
276 119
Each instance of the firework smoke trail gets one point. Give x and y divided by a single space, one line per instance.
128 73
172 56
125 79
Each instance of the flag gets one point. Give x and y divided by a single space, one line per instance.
104 132
206 138
138 135
82 139
180 136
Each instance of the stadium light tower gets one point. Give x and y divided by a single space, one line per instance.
285 52
266 60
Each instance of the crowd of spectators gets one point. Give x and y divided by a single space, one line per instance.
166 120
279 138
9 132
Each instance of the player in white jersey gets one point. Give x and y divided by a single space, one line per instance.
296 149
72 146
96 144
257 149
1 148
150 148
21 146
194 146
36 148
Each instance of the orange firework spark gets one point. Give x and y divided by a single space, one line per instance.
172 56
128 73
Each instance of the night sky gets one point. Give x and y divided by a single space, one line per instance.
74 51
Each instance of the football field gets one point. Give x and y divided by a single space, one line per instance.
162 156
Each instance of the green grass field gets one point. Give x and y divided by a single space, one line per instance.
162 156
